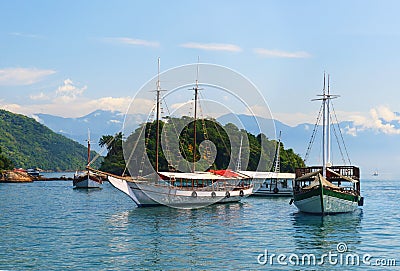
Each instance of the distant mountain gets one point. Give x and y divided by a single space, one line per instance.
99 122
368 148
28 143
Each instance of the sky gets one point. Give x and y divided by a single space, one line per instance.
69 58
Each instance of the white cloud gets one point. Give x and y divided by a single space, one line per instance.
35 117
68 91
114 121
381 119
130 41
22 76
39 97
212 46
24 35
278 53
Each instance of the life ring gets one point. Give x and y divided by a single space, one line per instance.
241 193
213 195
194 194
276 190
227 194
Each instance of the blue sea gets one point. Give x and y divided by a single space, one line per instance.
51 226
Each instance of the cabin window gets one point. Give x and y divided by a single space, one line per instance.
284 183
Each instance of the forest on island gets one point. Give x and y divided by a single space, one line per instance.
177 153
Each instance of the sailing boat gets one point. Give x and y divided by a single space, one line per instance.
182 189
87 180
272 183
327 189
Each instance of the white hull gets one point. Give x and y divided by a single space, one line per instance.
268 192
331 205
144 194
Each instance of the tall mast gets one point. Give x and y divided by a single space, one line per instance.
324 131
158 114
328 129
88 148
326 144
196 88
277 167
239 161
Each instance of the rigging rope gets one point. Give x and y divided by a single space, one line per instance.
337 140
340 132
176 132
315 130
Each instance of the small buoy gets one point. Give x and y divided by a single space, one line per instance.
194 194
213 195
227 194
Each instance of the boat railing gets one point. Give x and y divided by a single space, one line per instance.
352 172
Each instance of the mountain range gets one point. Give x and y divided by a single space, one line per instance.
368 148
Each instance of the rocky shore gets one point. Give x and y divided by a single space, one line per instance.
10 176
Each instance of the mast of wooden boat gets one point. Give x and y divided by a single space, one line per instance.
324 131
277 166
239 160
88 143
328 129
158 114
196 89
326 137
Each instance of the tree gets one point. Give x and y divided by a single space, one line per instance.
5 163
260 149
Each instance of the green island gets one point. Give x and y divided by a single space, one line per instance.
261 157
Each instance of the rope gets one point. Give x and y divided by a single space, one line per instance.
315 130
341 135
337 140
176 132
103 149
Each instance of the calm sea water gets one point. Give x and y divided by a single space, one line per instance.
50 226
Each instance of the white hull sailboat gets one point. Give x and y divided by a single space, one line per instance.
327 189
182 189
146 194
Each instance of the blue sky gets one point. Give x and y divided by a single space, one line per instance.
69 58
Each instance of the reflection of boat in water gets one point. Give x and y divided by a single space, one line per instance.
87 179
315 231
327 189
181 189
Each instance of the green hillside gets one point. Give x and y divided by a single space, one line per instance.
28 144
260 150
